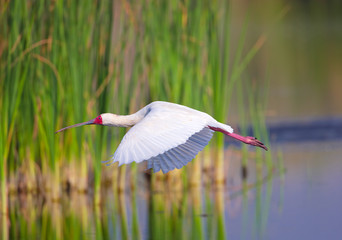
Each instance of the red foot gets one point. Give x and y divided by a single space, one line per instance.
255 142
248 140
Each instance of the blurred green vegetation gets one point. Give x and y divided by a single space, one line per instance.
66 62
63 62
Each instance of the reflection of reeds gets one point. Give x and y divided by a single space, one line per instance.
220 213
58 68
198 212
196 203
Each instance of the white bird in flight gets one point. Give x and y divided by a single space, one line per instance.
166 135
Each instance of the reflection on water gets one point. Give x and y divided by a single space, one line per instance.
158 211
302 203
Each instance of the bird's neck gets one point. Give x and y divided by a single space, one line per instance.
114 120
124 121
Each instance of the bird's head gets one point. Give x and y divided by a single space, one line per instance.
99 120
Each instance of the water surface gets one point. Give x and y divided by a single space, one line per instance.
302 203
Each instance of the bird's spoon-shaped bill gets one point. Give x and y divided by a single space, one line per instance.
77 125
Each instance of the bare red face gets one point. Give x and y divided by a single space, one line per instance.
98 120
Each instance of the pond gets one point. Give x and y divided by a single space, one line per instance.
301 202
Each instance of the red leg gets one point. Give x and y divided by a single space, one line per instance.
248 140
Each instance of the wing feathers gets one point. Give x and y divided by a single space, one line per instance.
180 156
163 165
165 138
175 159
156 165
149 164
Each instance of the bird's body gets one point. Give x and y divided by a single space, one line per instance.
164 134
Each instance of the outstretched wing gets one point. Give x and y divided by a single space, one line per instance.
179 156
165 138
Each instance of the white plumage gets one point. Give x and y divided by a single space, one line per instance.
166 135
165 127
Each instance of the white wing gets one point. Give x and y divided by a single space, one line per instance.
166 138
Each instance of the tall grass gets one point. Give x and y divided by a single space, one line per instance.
63 62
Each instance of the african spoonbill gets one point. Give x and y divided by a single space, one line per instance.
166 135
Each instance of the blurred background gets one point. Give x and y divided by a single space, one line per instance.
271 69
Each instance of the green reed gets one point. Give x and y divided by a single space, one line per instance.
65 62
